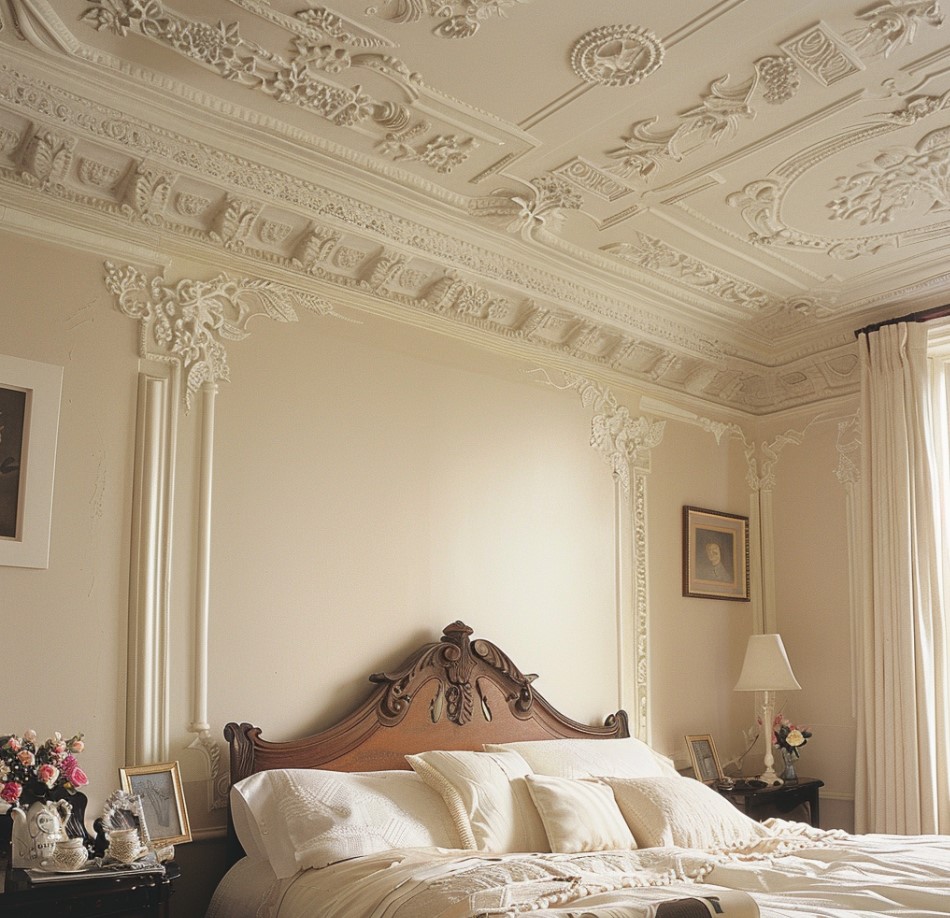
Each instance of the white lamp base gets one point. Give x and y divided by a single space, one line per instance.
770 778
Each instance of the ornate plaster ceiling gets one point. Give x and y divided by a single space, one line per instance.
704 197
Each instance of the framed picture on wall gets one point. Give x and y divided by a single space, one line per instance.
715 555
163 803
29 422
705 759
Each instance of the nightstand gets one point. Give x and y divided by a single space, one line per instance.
764 802
124 895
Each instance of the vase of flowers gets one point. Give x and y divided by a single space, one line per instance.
37 780
789 739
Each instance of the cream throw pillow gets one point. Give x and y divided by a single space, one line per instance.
487 796
298 817
624 757
579 815
681 812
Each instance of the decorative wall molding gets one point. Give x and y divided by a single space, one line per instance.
618 55
189 321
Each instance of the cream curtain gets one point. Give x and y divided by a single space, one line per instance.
903 757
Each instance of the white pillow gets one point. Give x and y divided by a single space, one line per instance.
681 812
298 818
487 797
579 815
623 757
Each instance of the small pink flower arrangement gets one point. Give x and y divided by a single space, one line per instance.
29 772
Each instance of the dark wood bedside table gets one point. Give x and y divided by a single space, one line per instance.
129 895
764 802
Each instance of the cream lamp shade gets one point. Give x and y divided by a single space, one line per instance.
766 669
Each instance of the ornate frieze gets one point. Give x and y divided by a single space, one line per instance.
662 259
618 55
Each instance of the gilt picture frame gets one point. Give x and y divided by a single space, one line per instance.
704 758
715 555
163 803
30 394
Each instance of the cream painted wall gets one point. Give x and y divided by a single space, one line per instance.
398 483
64 629
696 645
813 606
374 482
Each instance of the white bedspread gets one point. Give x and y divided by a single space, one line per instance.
797 872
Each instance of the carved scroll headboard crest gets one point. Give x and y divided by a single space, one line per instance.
454 662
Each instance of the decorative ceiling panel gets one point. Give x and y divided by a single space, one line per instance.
704 197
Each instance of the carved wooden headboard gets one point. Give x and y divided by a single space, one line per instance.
455 693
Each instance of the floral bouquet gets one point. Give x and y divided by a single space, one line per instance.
787 736
29 772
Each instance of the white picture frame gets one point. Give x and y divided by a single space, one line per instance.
30 392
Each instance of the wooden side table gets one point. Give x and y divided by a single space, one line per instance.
764 802
125 895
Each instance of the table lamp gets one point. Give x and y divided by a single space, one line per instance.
766 669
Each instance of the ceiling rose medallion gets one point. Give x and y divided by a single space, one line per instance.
616 55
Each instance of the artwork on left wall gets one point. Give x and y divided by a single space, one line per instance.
30 395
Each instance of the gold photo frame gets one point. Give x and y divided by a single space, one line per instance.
704 758
163 803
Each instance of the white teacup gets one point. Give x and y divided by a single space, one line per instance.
126 846
69 854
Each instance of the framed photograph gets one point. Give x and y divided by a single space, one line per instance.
715 555
29 422
163 804
705 759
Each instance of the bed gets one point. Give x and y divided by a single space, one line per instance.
456 790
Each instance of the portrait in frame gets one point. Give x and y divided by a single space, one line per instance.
704 758
163 803
715 555
30 395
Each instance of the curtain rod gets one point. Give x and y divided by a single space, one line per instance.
937 312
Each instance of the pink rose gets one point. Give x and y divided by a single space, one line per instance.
11 792
77 777
13 744
26 757
47 774
58 748
77 745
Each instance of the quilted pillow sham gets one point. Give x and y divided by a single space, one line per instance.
487 796
624 757
298 818
682 812
579 815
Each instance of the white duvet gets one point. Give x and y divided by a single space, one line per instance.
795 872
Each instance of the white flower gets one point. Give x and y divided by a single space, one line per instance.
795 738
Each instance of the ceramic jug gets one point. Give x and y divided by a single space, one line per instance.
36 830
